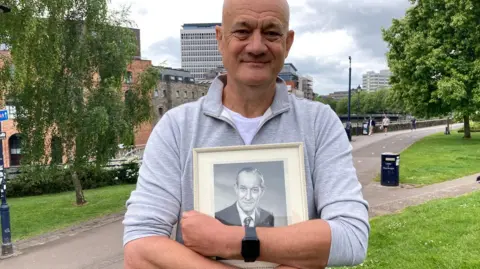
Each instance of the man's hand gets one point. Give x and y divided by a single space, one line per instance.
203 234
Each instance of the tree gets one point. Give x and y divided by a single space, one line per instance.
327 101
68 61
376 102
434 56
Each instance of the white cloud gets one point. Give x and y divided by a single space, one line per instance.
322 44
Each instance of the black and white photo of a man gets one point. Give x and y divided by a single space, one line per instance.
245 211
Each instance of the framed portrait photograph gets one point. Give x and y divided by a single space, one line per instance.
254 185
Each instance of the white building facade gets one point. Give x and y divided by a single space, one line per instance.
200 54
373 81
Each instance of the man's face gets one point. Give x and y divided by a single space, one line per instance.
249 191
254 40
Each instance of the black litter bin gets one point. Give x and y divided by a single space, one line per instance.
390 173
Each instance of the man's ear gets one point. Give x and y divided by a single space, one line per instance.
290 39
219 37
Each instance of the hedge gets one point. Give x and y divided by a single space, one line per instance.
474 127
56 179
471 131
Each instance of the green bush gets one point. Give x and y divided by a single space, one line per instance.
474 127
471 131
40 180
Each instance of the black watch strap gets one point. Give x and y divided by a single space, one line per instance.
250 233
250 245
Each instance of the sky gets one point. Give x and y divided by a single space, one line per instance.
326 33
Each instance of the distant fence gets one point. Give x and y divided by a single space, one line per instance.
358 130
12 172
377 117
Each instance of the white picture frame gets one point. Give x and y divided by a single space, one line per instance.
290 154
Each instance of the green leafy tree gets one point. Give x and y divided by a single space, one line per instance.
328 101
434 57
375 102
342 106
65 76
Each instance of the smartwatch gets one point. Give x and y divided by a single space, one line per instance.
250 245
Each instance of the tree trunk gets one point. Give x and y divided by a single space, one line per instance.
466 124
80 198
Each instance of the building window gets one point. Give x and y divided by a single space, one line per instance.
57 150
12 111
14 144
178 94
164 93
155 93
185 94
128 77
160 111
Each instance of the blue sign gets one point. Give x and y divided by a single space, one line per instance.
3 115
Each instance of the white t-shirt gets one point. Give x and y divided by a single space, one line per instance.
247 127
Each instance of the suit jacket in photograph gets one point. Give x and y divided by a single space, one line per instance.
230 216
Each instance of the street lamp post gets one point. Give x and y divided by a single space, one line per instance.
358 107
7 247
349 124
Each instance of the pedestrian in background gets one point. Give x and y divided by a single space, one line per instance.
385 123
371 126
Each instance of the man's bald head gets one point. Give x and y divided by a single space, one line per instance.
259 6
254 40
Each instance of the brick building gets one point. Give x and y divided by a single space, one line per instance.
11 143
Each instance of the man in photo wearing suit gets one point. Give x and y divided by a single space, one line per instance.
249 187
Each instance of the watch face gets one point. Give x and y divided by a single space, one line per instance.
250 249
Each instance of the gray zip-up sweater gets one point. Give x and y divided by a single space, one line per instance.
165 186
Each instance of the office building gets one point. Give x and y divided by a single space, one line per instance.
290 75
200 54
373 81
338 95
306 86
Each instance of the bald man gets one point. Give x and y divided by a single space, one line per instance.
248 105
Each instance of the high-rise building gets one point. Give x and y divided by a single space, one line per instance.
200 54
373 81
306 86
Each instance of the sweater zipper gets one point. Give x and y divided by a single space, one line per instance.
228 122
273 115
260 126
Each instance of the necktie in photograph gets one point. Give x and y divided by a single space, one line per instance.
247 221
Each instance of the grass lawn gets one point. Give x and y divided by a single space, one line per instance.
439 158
35 215
439 234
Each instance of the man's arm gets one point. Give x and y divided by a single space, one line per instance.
160 252
340 237
302 245
154 206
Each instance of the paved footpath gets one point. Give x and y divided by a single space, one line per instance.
98 244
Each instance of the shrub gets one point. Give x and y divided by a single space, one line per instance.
474 127
38 180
